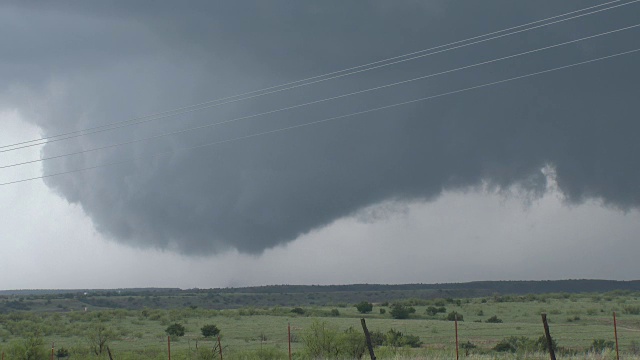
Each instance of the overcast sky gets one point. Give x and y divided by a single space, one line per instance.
536 178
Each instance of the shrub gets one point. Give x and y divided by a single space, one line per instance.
175 330
399 311
632 310
324 341
396 339
494 320
467 347
62 353
334 312
209 330
364 307
298 310
383 311
452 316
432 310
377 338
523 344
599 345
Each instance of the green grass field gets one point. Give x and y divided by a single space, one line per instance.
575 322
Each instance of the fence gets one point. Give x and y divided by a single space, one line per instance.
456 338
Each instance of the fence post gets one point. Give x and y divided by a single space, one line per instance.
220 347
289 336
456 322
615 333
169 346
552 353
368 338
52 347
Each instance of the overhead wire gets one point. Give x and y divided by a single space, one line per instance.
333 118
201 127
296 84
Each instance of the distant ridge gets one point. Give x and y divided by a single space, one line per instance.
502 287
74 291
474 288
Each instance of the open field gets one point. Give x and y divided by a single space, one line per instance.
576 320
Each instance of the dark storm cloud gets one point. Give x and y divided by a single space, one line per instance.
88 64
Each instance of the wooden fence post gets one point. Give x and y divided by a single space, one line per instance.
552 353
615 333
368 338
456 322
220 347
289 336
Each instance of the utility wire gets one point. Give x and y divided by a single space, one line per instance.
316 101
333 118
296 84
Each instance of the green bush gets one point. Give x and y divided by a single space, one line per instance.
298 310
364 307
432 310
209 330
599 345
399 311
395 338
175 330
494 320
324 341
632 310
452 316
468 345
523 344
62 353
378 338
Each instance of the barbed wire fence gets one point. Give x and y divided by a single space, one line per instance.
614 333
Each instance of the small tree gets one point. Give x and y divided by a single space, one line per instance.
175 330
33 348
494 319
209 330
453 316
399 311
99 337
364 307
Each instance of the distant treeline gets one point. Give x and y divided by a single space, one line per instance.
499 287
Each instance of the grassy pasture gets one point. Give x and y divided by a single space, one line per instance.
261 332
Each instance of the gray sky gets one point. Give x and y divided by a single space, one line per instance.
532 179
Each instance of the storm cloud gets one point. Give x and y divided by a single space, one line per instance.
81 65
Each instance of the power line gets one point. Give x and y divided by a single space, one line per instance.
290 85
334 118
316 101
